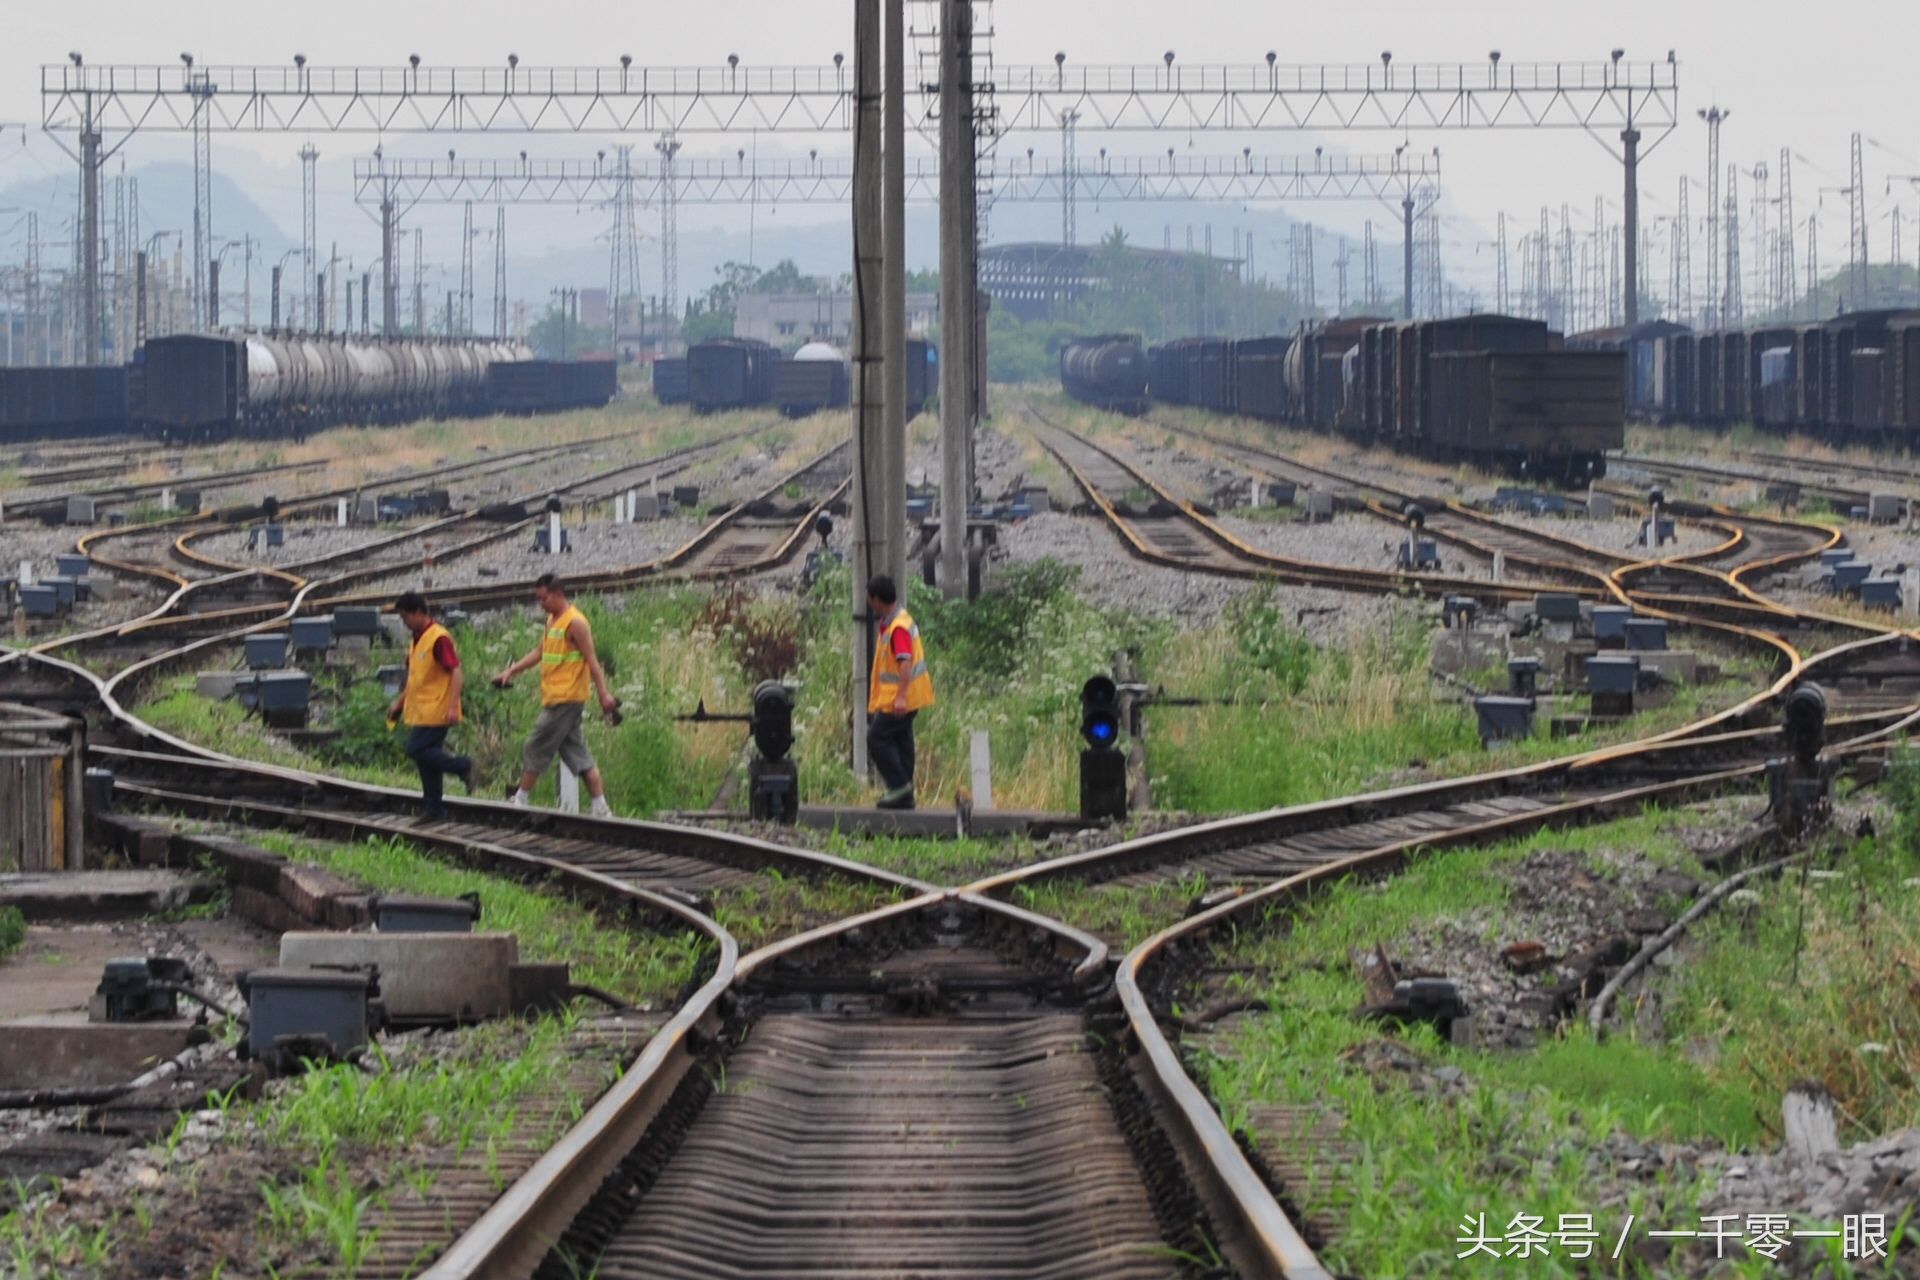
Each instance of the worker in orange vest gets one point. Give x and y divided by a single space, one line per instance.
567 662
898 689
430 702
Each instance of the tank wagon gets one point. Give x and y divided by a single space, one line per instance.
212 386
1108 372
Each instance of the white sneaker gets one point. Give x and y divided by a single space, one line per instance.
519 799
601 809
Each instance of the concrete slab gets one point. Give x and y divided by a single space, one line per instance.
98 895
423 976
65 1051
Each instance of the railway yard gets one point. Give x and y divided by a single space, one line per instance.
1482 865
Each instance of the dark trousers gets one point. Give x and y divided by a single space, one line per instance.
890 747
426 746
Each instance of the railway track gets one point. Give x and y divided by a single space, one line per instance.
1161 528
1712 587
934 1086
37 507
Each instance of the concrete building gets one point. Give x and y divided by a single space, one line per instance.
790 319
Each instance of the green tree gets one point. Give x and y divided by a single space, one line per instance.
785 277
557 338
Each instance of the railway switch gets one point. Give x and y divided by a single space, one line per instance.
1458 611
301 1015
1503 719
139 989
1418 553
1523 677
1611 680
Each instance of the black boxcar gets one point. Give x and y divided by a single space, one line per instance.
1549 414
62 403
670 379
801 387
730 373
923 374
547 386
1260 378
1903 377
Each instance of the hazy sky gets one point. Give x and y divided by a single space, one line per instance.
1793 76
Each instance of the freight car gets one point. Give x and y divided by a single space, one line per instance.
730 373
63 403
816 378
1489 389
213 386
1546 415
547 386
670 379
923 374
1108 372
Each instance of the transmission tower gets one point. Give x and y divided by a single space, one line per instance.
202 89
1568 300
1784 272
669 146
309 239
1813 266
1713 116
1731 311
1340 264
500 272
623 259
1500 268
1857 230
1430 274
1683 260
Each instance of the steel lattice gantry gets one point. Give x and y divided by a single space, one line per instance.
1597 97
829 180
1605 95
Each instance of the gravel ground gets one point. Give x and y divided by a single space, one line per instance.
1619 535
40 543
598 545
1115 580
306 540
998 464
1348 539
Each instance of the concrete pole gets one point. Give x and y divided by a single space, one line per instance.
957 231
1406 252
1630 255
389 295
90 234
868 421
893 354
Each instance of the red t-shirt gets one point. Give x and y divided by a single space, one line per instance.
902 644
444 655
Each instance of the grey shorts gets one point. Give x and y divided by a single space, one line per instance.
558 732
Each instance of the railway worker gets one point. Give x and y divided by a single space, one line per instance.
897 690
567 663
430 702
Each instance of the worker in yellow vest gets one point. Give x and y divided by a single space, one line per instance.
898 688
430 702
567 663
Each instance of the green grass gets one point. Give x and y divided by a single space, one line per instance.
1738 1029
13 930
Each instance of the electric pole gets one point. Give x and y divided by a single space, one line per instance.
1713 116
